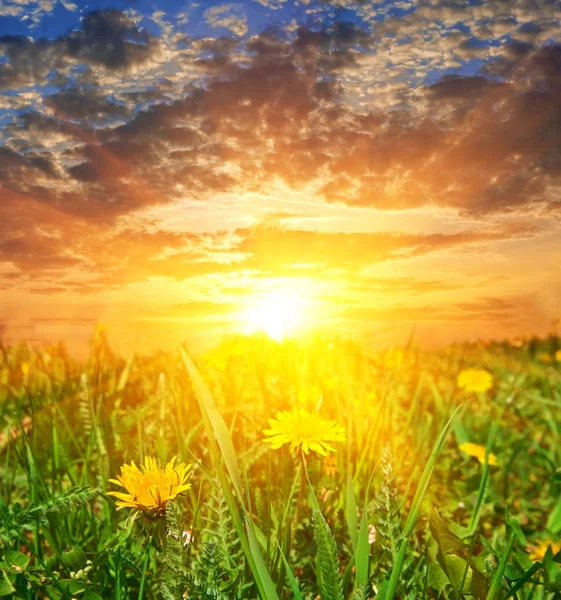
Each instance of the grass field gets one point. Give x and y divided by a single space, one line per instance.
438 480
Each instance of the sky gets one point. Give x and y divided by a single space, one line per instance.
169 169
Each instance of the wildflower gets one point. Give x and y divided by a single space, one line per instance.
558 356
330 466
24 368
475 380
151 487
187 537
303 430
478 452
539 548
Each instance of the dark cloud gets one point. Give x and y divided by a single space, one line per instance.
111 38
84 104
28 61
107 38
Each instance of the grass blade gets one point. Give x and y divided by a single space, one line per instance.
351 510
293 584
218 432
495 589
415 510
218 426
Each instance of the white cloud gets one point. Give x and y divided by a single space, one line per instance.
228 16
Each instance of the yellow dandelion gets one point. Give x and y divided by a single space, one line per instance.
24 368
558 356
538 549
151 487
478 452
303 430
475 380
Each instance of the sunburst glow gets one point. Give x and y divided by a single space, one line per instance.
279 313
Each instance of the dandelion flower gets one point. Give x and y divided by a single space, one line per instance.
539 548
151 487
478 452
303 430
475 380
558 356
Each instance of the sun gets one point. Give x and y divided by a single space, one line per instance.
279 313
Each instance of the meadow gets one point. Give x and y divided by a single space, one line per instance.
300 469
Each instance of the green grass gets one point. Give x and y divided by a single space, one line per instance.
405 514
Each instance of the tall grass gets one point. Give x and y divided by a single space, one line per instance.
402 512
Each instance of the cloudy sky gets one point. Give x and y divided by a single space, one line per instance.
165 165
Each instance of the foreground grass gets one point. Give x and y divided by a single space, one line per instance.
405 508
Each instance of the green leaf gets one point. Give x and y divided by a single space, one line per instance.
89 595
448 542
513 573
73 558
453 559
455 569
16 562
437 577
6 587
554 520
330 582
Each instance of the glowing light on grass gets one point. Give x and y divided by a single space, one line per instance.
279 313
